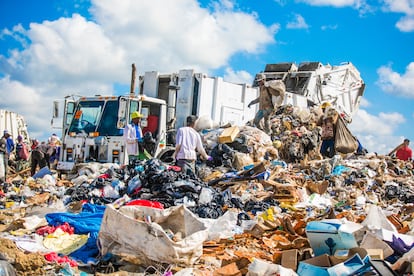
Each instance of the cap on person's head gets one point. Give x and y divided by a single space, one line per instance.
260 77
19 138
6 132
191 119
136 114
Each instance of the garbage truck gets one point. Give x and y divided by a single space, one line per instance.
92 126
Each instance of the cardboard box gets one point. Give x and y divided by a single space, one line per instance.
290 259
329 235
228 135
326 265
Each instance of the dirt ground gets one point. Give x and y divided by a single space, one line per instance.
25 263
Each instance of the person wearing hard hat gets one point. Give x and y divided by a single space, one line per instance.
268 89
133 135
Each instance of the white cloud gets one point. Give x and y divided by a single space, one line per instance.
361 6
376 132
329 27
406 23
395 83
383 124
297 23
364 103
238 76
72 55
335 3
380 144
179 33
281 2
400 6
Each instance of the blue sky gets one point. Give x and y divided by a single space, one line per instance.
49 49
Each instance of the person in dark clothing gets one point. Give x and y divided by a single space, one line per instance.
39 157
328 124
3 159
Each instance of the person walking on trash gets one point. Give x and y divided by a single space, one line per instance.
39 157
403 151
328 124
3 159
8 150
133 136
266 106
188 141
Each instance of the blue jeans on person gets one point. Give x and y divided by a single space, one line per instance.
187 166
328 148
263 114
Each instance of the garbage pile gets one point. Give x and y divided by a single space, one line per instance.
266 204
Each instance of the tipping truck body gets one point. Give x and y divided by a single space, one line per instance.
15 124
312 83
190 93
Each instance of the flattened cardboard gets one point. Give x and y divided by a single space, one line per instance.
228 135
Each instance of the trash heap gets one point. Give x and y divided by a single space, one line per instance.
266 204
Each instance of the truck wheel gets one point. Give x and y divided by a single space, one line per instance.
166 155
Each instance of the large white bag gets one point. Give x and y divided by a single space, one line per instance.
144 234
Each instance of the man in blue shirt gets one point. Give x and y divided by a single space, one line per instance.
9 143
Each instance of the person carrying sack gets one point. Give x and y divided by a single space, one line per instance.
328 125
268 89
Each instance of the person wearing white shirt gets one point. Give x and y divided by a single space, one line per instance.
133 135
188 143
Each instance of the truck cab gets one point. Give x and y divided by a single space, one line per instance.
92 127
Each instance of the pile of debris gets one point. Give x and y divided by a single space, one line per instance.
265 204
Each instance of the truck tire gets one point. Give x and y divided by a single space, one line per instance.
166 155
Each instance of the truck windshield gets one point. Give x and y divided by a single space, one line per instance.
100 116
86 116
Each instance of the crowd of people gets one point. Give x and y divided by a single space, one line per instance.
38 154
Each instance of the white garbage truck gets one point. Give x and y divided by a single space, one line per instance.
92 126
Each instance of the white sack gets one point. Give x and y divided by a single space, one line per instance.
124 233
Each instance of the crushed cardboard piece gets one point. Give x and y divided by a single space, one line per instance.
228 135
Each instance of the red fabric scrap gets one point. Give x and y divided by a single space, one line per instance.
51 229
54 257
147 203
